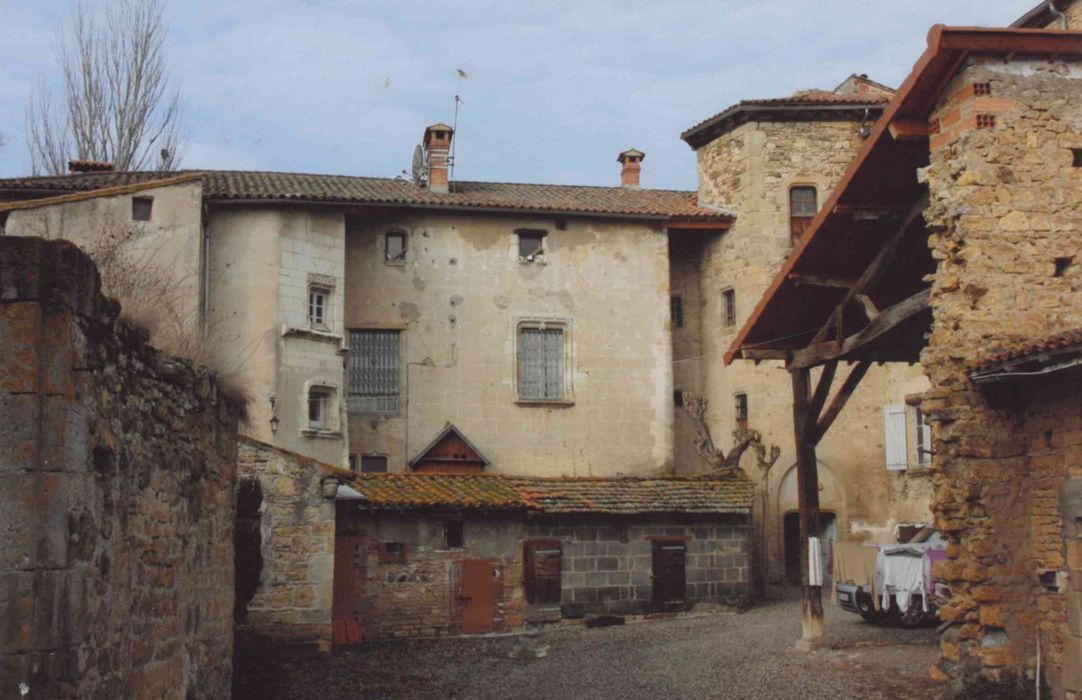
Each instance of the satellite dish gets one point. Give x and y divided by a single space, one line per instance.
420 166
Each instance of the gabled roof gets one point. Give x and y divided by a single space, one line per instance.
449 430
807 105
613 496
251 186
841 242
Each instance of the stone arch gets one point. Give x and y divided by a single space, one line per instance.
832 498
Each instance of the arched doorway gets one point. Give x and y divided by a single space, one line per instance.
784 541
828 532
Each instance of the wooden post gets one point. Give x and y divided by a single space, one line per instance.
804 428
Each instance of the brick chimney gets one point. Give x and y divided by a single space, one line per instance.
89 166
631 159
437 144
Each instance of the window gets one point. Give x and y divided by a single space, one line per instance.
802 207
373 369
1076 157
907 437
140 208
676 304
531 245
678 398
373 464
454 535
394 246
894 441
543 570
392 552
728 307
740 409
318 407
318 304
353 462
541 364
922 438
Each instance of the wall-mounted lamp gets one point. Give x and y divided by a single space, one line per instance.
273 418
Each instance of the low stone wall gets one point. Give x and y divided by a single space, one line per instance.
285 545
116 496
607 563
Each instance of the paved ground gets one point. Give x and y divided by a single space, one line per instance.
726 655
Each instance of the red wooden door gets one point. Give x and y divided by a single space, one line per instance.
477 577
345 627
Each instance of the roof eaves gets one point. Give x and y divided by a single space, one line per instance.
705 131
103 192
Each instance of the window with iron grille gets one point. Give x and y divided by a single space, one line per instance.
728 310
802 206
676 302
740 410
373 368
541 364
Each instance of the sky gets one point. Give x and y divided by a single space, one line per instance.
555 89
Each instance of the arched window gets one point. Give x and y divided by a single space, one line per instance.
802 207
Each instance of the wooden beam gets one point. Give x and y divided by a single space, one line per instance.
836 406
870 309
883 260
822 390
807 476
884 322
822 281
759 355
908 129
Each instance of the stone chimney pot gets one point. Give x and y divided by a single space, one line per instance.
437 144
631 159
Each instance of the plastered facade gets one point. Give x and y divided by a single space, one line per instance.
458 300
751 170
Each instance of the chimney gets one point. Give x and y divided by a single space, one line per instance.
437 144
89 166
631 159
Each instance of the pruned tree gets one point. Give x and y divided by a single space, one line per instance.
117 104
719 462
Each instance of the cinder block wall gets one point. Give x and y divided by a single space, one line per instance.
607 564
116 496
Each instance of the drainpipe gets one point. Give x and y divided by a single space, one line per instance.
1061 15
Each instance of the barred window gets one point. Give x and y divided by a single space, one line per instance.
541 364
728 307
373 367
676 304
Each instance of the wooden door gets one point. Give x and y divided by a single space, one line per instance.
346 629
477 579
670 580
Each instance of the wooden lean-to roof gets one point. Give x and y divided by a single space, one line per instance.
873 220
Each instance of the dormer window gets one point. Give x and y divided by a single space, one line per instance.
531 245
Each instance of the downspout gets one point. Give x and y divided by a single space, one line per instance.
1061 15
204 303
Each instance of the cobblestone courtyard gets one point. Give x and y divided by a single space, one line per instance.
726 655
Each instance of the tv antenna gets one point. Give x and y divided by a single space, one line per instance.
462 75
420 165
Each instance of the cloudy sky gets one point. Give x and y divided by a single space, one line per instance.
556 88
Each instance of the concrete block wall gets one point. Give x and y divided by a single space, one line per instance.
116 489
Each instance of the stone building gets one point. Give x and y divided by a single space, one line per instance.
773 162
971 265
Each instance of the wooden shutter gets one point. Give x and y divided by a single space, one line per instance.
542 560
894 436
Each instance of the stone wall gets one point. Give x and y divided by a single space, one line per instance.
607 563
116 488
1003 210
294 571
751 170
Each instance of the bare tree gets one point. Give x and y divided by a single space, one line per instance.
718 461
117 104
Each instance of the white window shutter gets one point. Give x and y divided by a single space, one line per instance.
926 443
894 436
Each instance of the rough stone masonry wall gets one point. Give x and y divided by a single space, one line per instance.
116 490
1005 206
294 574
607 563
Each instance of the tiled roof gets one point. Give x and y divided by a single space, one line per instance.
747 110
624 495
1023 349
238 185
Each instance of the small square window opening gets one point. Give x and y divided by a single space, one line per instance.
676 303
531 245
740 409
392 553
1076 157
454 534
678 398
141 208
318 298
395 246
728 307
373 464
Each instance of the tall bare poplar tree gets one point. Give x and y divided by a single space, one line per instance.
117 105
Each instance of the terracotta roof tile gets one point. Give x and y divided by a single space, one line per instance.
625 495
1023 349
238 185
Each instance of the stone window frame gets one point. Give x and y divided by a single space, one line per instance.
325 285
728 307
332 420
543 323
